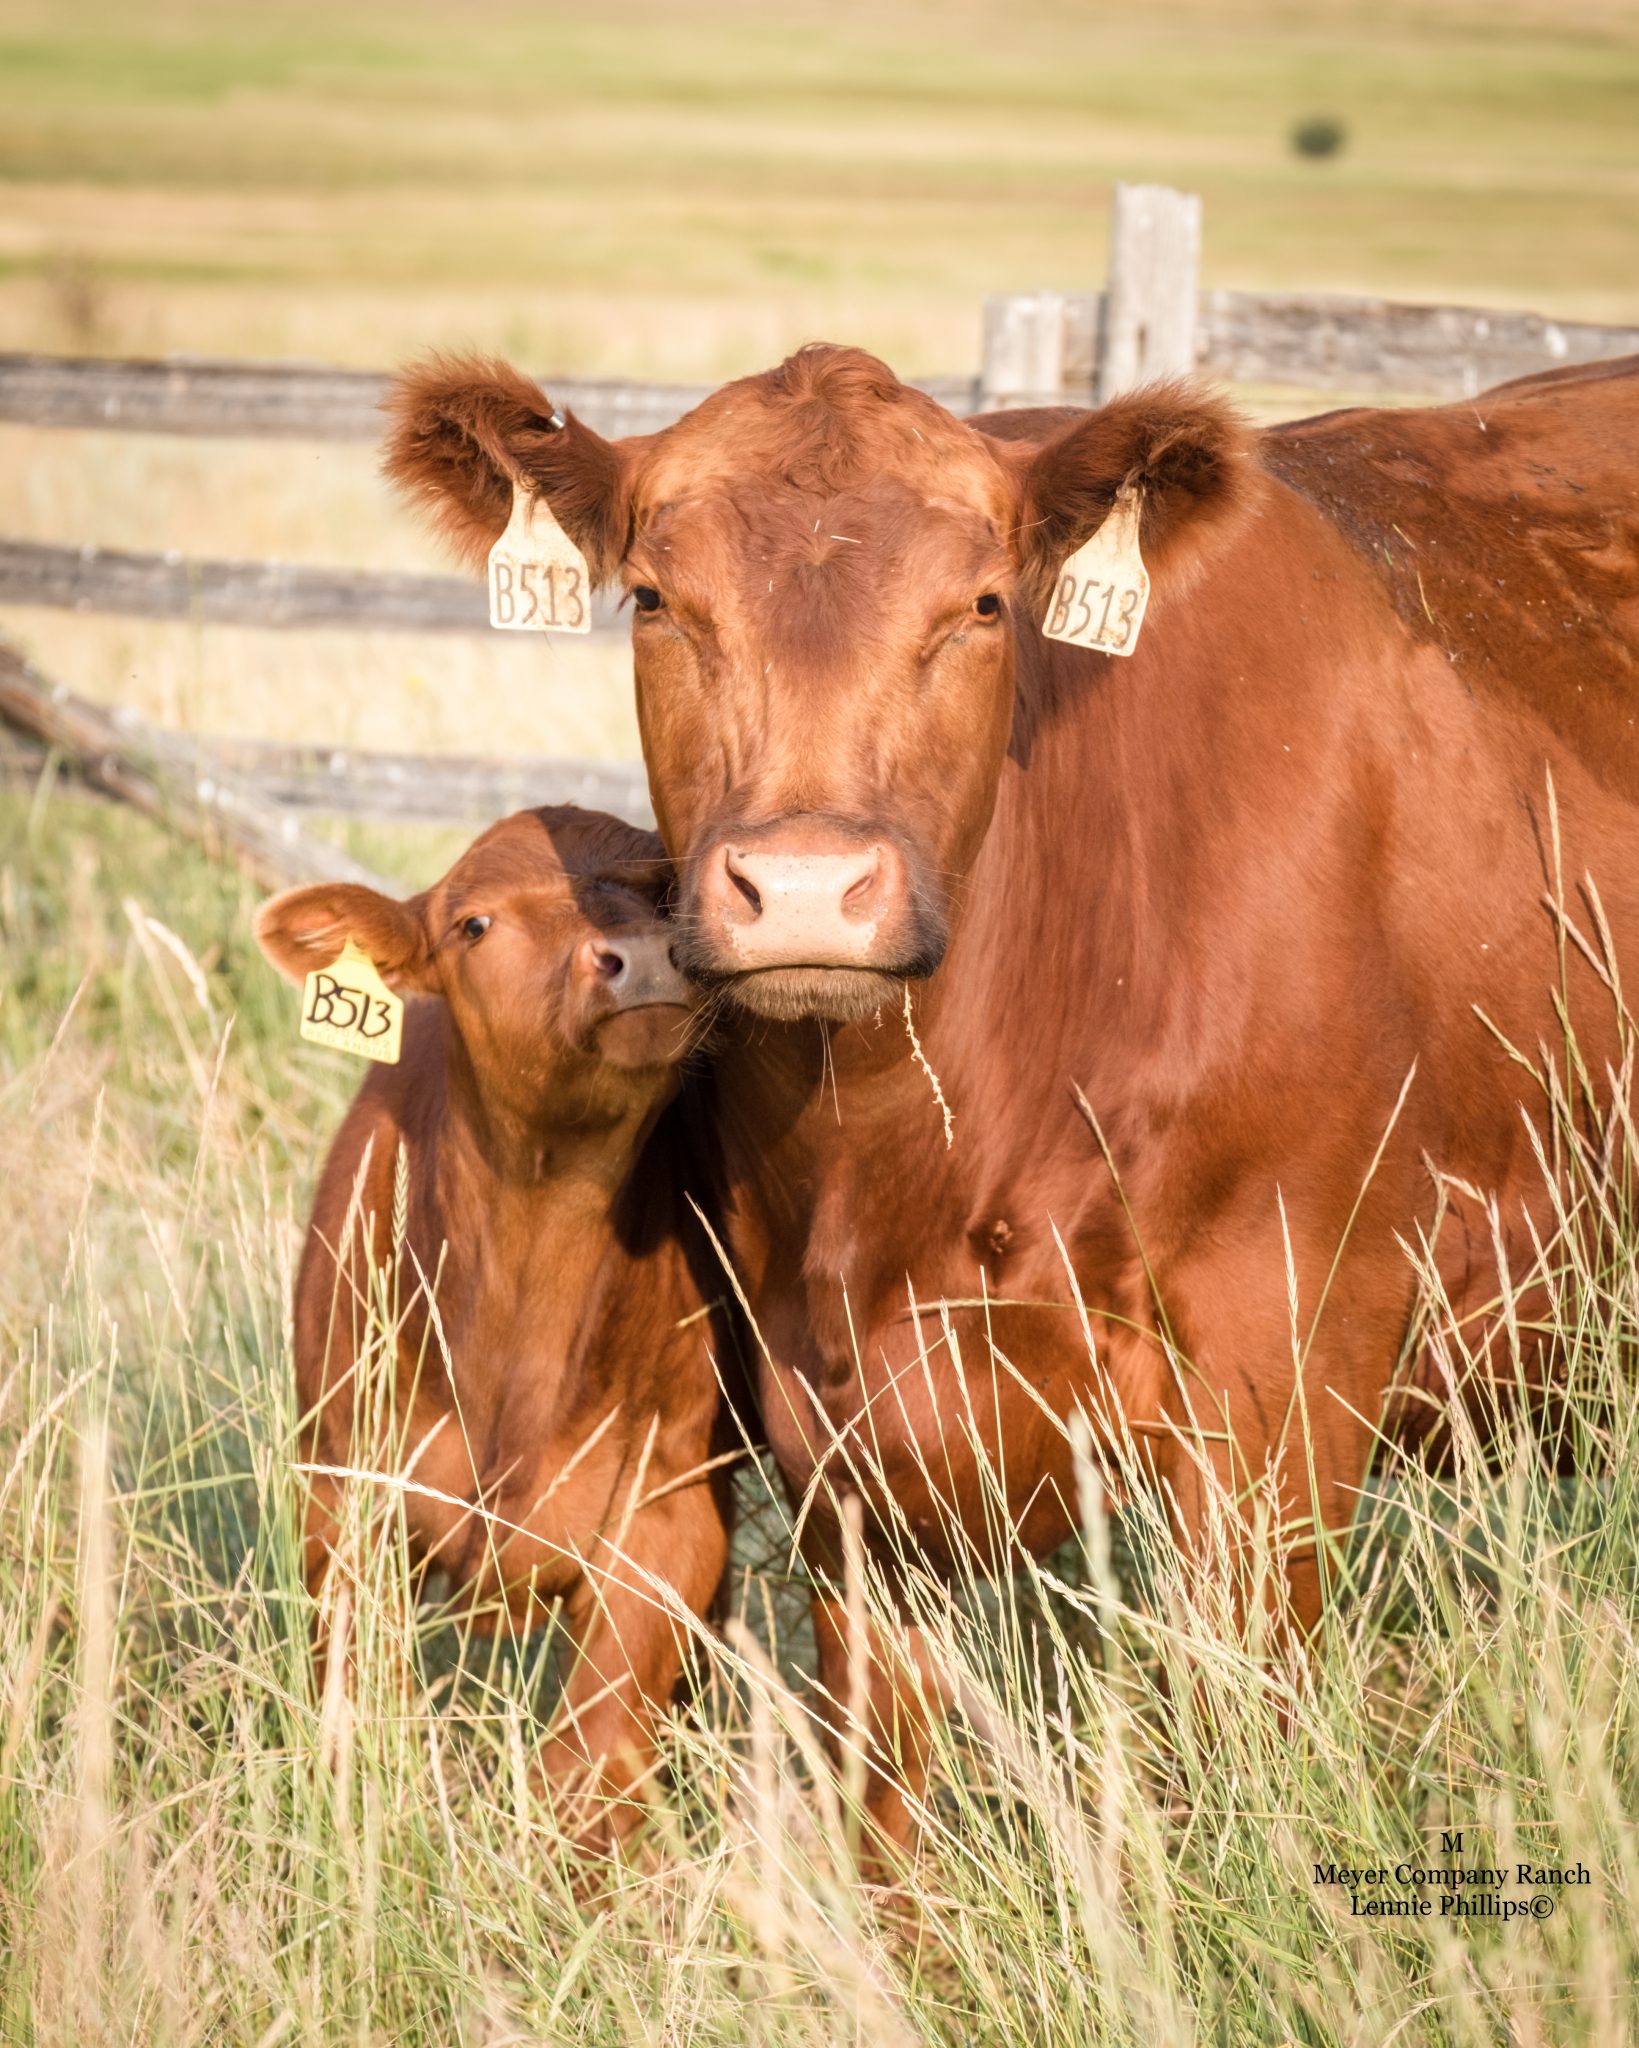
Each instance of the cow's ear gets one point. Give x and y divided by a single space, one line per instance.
1188 455
465 429
307 928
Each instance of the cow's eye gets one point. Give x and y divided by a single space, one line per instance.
987 606
645 597
474 927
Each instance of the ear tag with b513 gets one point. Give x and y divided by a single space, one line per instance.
538 581
347 1005
1102 590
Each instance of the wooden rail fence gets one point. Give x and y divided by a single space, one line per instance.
1038 348
273 594
1041 348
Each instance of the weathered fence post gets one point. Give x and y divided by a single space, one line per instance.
1023 359
1148 328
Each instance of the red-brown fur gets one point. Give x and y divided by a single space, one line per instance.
1236 889
576 1404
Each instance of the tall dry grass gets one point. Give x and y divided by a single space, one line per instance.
1126 1812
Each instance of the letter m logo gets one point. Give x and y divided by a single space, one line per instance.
1452 1845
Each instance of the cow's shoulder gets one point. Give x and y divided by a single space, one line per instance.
1504 530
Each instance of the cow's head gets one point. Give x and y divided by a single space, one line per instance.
828 575
547 943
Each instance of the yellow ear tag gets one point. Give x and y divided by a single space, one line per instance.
538 582
1103 588
347 1005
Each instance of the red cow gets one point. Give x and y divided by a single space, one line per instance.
1238 889
557 1427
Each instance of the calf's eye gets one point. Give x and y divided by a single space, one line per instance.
474 927
987 606
645 597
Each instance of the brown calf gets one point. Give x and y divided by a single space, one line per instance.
557 1425
1239 889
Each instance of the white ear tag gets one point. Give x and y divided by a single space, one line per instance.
1103 589
347 1005
538 582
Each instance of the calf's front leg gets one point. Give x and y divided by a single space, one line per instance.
630 1638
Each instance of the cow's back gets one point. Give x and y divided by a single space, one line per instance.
1505 531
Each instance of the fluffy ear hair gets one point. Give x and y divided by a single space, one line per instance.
1188 453
307 928
464 429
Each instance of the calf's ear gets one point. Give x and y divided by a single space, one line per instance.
1189 456
307 928
465 429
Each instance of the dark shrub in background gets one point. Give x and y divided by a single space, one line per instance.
1317 136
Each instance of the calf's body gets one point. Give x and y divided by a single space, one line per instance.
498 1302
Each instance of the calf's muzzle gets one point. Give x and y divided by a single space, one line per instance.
634 970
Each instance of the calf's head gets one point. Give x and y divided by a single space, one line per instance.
829 576
547 943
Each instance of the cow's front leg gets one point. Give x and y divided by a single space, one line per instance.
1261 1474
882 1700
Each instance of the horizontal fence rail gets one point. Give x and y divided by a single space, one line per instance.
283 595
1373 345
1043 348
1039 346
359 782
251 796
281 401
276 401
448 789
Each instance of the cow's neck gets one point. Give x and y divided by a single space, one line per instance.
1069 965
